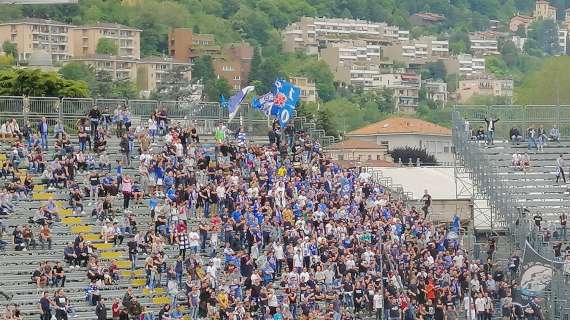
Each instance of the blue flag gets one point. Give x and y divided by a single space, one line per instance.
264 103
286 94
235 101
280 103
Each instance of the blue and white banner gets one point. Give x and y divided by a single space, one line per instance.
235 101
280 103
264 103
535 275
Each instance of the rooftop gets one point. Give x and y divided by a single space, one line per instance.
354 144
368 163
107 25
402 125
104 57
430 16
36 21
161 60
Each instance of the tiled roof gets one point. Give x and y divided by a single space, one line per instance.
367 163
401 125
354 144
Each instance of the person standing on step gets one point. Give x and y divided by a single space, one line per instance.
563 221
490 129
101 310
560 169
43 131
426 199
125 151
45 307
94 117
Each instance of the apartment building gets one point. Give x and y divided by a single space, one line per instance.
484 86
350 52
425 49
120 68
184 45
563 41
465 65
308 88
309 33
407 92
241 53
436 90
543 10
566 22
31 34
152 71
86 38
484 43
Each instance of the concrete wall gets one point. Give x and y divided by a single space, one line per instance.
444 209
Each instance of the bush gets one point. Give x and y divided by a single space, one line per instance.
405 153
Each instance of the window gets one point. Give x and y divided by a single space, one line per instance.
237 78
227 68
378 157
340 157
369 157
446 149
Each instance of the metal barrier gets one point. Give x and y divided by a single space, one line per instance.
506 217
205 115
520 117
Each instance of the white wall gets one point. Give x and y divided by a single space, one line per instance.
439 146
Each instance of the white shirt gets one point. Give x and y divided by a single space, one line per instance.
480 304
194 239
378 301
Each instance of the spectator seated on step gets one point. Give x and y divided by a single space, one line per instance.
515 136
554 134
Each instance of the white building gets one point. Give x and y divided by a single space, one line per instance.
408 132
562 41
310 32
465 65
482 46
436 90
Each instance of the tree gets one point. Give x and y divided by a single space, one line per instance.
412 154
215 88
78 71
103 84
6 62
546 85
10 49
323 122
106 46
532 48
34 82
510 54
124 89
545 33
459 42
175 85
435 70
203 69
320 72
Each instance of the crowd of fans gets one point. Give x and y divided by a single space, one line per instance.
277 231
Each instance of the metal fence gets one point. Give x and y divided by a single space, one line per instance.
520 117
204 115
506 217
